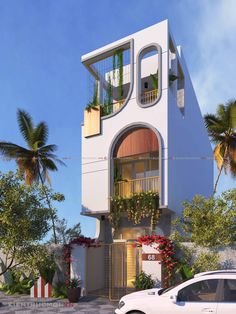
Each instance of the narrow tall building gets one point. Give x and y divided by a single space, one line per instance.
143 132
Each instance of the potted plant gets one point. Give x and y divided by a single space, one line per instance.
92 115
73 289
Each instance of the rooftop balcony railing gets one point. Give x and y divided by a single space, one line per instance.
113 107
127 188
149 97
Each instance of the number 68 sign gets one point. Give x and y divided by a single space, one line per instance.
151 257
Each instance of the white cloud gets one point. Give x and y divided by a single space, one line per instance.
214 75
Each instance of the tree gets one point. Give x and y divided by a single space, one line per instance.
222 131
36 160
24 220
208 222
65 234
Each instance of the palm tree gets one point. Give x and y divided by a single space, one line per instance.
35 161
221 128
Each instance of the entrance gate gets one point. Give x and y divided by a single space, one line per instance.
125 265
115 266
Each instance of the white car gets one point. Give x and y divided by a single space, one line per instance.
209 292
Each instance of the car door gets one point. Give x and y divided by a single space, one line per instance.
198 298
227 303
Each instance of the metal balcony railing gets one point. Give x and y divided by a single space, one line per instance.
127 188
149 97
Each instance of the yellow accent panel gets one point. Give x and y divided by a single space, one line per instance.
92 121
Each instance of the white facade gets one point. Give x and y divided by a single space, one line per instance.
186 167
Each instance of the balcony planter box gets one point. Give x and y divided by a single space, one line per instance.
118 104
92 121
73 294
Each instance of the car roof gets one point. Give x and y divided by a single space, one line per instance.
217 272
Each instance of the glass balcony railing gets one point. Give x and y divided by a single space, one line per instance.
113 107
126 188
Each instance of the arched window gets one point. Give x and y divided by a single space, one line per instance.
136 162
149 75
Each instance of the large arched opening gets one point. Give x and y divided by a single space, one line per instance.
136 164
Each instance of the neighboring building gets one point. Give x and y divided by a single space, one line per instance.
148 135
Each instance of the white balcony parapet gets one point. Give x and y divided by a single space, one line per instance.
127 188
149 97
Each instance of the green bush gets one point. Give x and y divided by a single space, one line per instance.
47 267
206 261
17 284
59 290
143 281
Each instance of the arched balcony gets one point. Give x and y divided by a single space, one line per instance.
136 162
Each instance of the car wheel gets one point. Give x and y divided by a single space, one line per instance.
135 312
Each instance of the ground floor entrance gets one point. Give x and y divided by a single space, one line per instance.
114 267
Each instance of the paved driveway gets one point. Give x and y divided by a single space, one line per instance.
27 305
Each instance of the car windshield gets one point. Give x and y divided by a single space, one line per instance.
164 290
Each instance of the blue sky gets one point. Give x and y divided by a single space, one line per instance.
40 70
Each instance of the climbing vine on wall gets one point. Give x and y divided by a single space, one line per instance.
117 62
138 206
166 248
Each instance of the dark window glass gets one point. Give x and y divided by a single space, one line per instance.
229 290
201 291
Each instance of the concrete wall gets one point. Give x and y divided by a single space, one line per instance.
78 266
96 268
190 172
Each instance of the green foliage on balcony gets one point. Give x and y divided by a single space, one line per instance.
138 206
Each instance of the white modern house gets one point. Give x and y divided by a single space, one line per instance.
142 132
153 133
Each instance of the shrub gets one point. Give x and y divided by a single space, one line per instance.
18 283
143 281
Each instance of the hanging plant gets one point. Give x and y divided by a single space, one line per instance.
166 248
117 63
154 79
138 206
94 103
107 105
120 69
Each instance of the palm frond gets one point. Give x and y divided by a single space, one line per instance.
12 151
232 167
48 164
232 106
218 155
40 134
232 148
25 124
48 149
214 125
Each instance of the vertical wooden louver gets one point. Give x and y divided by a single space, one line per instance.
136 141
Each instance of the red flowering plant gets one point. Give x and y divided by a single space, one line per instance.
83 241
166 249
73 283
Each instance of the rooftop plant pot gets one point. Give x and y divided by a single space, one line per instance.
73 294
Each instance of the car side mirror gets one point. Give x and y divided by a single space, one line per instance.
173 299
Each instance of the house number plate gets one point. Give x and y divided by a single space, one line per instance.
151 257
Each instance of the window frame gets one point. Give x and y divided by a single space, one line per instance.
221 297
140 55
218 292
